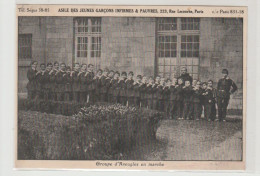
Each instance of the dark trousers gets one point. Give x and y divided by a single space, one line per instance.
115 99
103 97
137 102
172 109
67 96
46 95
187 110
179 108
31 94
60 96
167 107
160 105
122 100
110 98
222 107
92 97
131 101
83 97
207 110
150 103
154 104
197 108
143 103
75 96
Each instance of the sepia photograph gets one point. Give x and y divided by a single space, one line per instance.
118 88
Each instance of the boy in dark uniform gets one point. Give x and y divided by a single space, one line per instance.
31 85
149 93
52 74
114 87
179 98
173 99
40 82
213 104
97 84
143 92
196 100
160 95
155 99
75 83
208 102
68 85
91 88
187 100
136 87
166 94
47 86
103 89
60 82
203 90
109 81
83 84
130 90
226 86
122 89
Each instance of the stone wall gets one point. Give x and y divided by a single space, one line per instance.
128 44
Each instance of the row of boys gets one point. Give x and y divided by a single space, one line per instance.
177 97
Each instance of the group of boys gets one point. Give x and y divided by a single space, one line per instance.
179 98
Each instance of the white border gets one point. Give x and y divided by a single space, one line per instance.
7 84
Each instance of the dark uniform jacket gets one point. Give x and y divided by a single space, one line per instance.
103 82
40 81
108 85
53 85
187 94
47 85
97 85
130 87
122 88
31 75
136 88
75 81
160 92
83 82
90 76
208 96
114 87
149 91
224 87
68 83
186 77
142 91
60 81
166 93
173 93
197 95
179 93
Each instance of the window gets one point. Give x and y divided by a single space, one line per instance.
190 23
178 42
25 46
87 39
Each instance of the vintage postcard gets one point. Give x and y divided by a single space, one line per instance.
131 87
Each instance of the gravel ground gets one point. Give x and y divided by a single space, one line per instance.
197 140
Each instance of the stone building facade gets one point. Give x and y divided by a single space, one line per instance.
147 46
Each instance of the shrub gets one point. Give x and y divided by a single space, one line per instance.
97 132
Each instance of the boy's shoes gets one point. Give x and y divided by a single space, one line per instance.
224 120
209 120
216 120
197 119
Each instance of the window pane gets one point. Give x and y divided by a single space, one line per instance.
25 46
190 23
167 24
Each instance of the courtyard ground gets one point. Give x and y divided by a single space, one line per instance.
176 139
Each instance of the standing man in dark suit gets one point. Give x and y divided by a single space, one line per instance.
225 87
185 76
122 89
47 86
31 85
